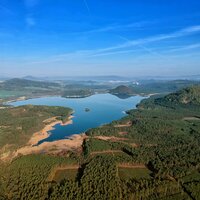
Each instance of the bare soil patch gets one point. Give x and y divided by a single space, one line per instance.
128 124
105 152
191 118
123 133
133 166
110 138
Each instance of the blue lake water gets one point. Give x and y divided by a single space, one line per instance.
104 108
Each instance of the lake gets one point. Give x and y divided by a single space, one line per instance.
104 108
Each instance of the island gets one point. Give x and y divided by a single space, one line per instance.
87 109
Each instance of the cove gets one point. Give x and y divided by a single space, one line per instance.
103 108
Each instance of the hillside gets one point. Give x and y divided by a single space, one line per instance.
19 84
122 90
190 95
159 86
149 87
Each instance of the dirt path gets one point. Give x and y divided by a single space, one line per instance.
67 167
123 133
110 138
128 124
133 166
106 151
191 118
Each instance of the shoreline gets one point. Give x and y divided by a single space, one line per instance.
31 146
73 142
7 102
44 133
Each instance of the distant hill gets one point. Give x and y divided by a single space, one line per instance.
159 86
186 97
17 83
189 95
122 90
80 93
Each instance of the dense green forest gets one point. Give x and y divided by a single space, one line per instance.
152 153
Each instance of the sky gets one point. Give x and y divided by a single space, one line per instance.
93 37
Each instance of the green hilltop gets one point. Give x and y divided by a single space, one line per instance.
122 90
189 95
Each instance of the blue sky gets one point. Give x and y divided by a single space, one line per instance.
92 37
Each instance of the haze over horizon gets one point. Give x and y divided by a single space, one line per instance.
91 38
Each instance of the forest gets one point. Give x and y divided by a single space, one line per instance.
152 153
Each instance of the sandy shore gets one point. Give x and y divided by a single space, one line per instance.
74 142
44 133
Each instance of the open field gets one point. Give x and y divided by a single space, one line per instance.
133 172
64 172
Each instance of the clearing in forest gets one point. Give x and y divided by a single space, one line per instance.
68 172
128 124
135 171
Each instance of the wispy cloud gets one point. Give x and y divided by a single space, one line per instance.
185 48
113 53
116 27
30 4
124 47
150 51
86 5
181 33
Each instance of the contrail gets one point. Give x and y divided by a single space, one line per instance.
145 48
86 5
